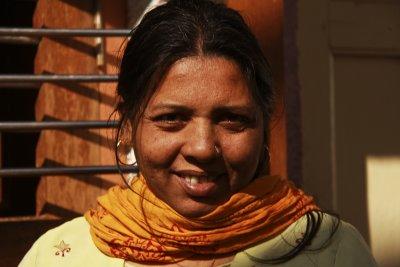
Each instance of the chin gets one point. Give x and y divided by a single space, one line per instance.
195 208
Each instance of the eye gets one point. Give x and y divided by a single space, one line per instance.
168 118
235 122
170 121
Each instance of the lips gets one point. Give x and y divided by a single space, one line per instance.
198 184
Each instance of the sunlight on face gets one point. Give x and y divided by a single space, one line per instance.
201 135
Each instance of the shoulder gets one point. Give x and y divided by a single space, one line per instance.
69 244
336 243
351 249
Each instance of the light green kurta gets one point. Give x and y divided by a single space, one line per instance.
346 248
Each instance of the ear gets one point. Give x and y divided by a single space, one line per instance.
264 162
132 133
127 134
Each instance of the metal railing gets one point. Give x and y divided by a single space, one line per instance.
55 171
43 32
63 170
34 126
32 36
57 78
34 81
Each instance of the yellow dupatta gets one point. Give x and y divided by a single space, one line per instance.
136 225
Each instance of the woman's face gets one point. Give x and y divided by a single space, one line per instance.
201 135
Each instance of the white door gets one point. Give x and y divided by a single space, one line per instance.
349 74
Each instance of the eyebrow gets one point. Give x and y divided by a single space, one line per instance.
171 106
225 108
235 108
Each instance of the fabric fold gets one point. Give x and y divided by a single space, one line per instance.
135 225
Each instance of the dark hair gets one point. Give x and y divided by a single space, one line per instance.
184 28
181 29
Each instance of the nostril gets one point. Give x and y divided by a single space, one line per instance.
201 151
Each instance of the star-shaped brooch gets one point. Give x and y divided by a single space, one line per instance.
62 248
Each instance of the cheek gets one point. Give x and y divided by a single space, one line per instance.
242 151
154 148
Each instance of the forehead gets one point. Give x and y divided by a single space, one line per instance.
203 80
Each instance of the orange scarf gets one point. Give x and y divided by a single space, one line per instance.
135 225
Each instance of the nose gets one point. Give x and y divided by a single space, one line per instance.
200 142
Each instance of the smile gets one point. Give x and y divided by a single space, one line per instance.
198 184
193 180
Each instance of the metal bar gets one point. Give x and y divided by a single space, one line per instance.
32 218
30 172
19 40
1 179
19 78
52 125
32 32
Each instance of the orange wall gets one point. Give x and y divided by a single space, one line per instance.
265 18
66 196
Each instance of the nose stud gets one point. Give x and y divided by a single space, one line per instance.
217 150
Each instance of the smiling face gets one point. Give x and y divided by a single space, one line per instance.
201 135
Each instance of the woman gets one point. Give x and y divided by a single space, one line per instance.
195 102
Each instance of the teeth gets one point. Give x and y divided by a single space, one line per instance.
193 180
